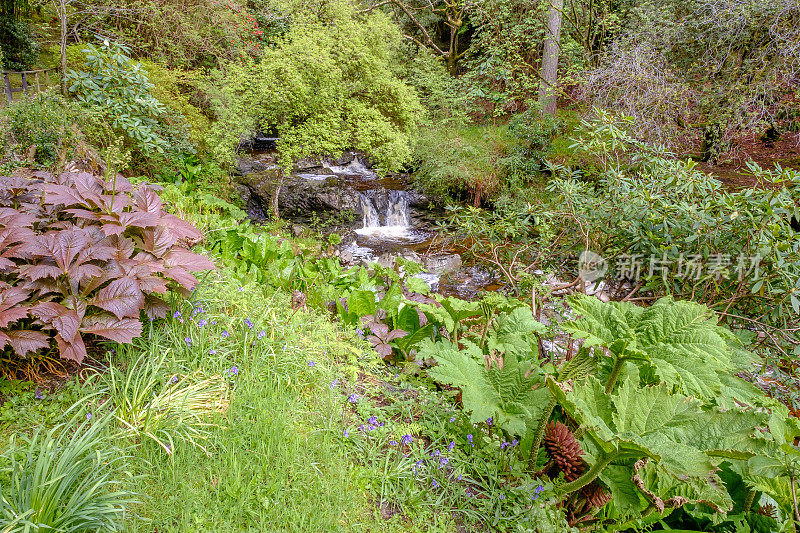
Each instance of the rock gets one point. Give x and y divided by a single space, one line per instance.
386 260
345 159
442 263
306 164
250 164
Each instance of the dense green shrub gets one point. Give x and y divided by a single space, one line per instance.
80 255
45 121
20 48
119 87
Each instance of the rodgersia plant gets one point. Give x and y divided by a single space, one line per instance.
81 255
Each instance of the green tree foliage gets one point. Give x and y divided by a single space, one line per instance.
327 86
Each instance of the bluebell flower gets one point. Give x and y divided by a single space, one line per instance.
202 322
469 438
177 314
451 446
452 420
489 421
514 442
353 398
233 371
248 323
261 334
406 439
88 416
434 483
241 289
459 477
443 461
346 434
372 420
188 341
38 394
173 380
393 442
212 351
334 383
225 333
312 363
502 496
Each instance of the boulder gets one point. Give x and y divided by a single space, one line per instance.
442 263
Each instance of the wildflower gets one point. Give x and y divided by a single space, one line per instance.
173 380
434 483
225 333
459 477
202 322
360 332
469 438
212 351
177 314
248 323
406 439
451 446
88 416
312 363
261 334
353 398
503 445
233 371
334 383
452 420
241 289
213 322
373 420
393 442
443 461
502 496
362 428
514 442
346 434
38 395
188 341
489 421
539 489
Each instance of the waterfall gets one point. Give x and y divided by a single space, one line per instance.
397 210
371 218
395 218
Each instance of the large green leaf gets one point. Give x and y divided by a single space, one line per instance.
514 332
505 394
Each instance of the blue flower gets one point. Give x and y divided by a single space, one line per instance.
469 438
248 323
451 446
225 333
514 442
202 322
346 434
173 380
212 351
393 442
233 371
241 289
373 420
177 314
502 496
312 363
406 439
444 460
188 341
452 420
334 383
38 394
261 334
459 477
88 416
489 421
353 398
434 483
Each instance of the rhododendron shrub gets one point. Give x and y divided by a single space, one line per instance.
80 255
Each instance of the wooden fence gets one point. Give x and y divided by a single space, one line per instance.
27 84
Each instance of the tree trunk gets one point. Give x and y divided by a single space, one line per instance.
61 9
552 48
276 191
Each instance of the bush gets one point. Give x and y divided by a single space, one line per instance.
43 121
80 255
20 49
119 87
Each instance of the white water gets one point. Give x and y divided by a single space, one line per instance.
397 223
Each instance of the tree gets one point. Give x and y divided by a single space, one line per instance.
552 49
329 85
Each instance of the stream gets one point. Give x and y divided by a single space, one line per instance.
379 218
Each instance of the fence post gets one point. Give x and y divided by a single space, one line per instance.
25 83
8 87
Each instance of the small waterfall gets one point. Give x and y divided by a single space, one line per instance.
397 210
371 218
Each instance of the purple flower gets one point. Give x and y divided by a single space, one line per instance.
212 351
233 371
202 322
362 428
225 333
393 442
177 314
452 420
360 332
353 398
241 289
188 341
451 446
248 323
213 322
173 379
503 445
261 334
469 438
502 496
373 420
514 442
459 477
434 483
406 439
443 461
346 434
334 383
539 489
88 416
312 363
489 421
38 394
